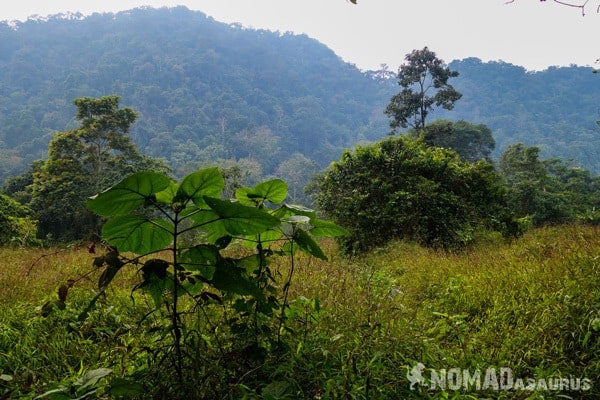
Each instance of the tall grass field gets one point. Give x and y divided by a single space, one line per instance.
504 320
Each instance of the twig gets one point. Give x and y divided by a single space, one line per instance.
564 3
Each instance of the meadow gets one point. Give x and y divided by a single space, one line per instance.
513 319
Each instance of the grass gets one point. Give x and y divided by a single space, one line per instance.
356 328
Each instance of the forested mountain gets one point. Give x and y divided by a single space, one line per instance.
278 103
205 91
555 109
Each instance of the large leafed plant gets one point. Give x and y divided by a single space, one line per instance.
181 235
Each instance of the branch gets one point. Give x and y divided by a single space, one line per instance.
564 3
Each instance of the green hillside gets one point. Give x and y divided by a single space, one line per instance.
555 109
204 90
272 102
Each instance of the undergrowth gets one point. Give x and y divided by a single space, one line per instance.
357 327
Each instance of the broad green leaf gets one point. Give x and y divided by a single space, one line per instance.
232 279
289 249
129 194
206 182
266 238
156 279
271 235
239 220
287 210
251 263
306 243
274 190
90 379
243 195
137 234
203 258
166 196
323 228
155 286
122 387
209 223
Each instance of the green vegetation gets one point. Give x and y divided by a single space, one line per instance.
202 88
16 223
424 82
80 163
403 188
206 93
149 214
360 325
471 142
555 109
211 285
548 191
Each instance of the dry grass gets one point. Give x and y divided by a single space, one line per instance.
31 275
532 304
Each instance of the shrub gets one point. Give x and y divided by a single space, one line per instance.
16 224
401 188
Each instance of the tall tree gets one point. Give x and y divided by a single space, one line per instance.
547 191
83 161
102 137
424 81
532 191
297 171
472 142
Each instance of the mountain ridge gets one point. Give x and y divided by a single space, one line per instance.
209 92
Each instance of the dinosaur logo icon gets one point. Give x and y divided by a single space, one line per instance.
415 376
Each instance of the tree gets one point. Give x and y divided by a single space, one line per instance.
259 144
16 223
472 142
531 190
547 191
424 81
19 187
402 188
81 162
297 171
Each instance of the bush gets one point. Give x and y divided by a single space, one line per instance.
16 225
402 188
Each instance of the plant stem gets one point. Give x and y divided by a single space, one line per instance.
286 289
174 313
259 278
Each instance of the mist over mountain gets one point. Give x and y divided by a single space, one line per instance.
277 103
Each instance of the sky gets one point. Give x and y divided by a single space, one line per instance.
528 33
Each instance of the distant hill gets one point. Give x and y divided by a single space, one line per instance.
556 109
208 92
204 90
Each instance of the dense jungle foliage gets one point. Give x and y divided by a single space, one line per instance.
195 282
205 91
209 92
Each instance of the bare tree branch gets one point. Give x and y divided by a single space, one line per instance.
568 4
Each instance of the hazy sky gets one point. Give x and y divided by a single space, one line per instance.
530 33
